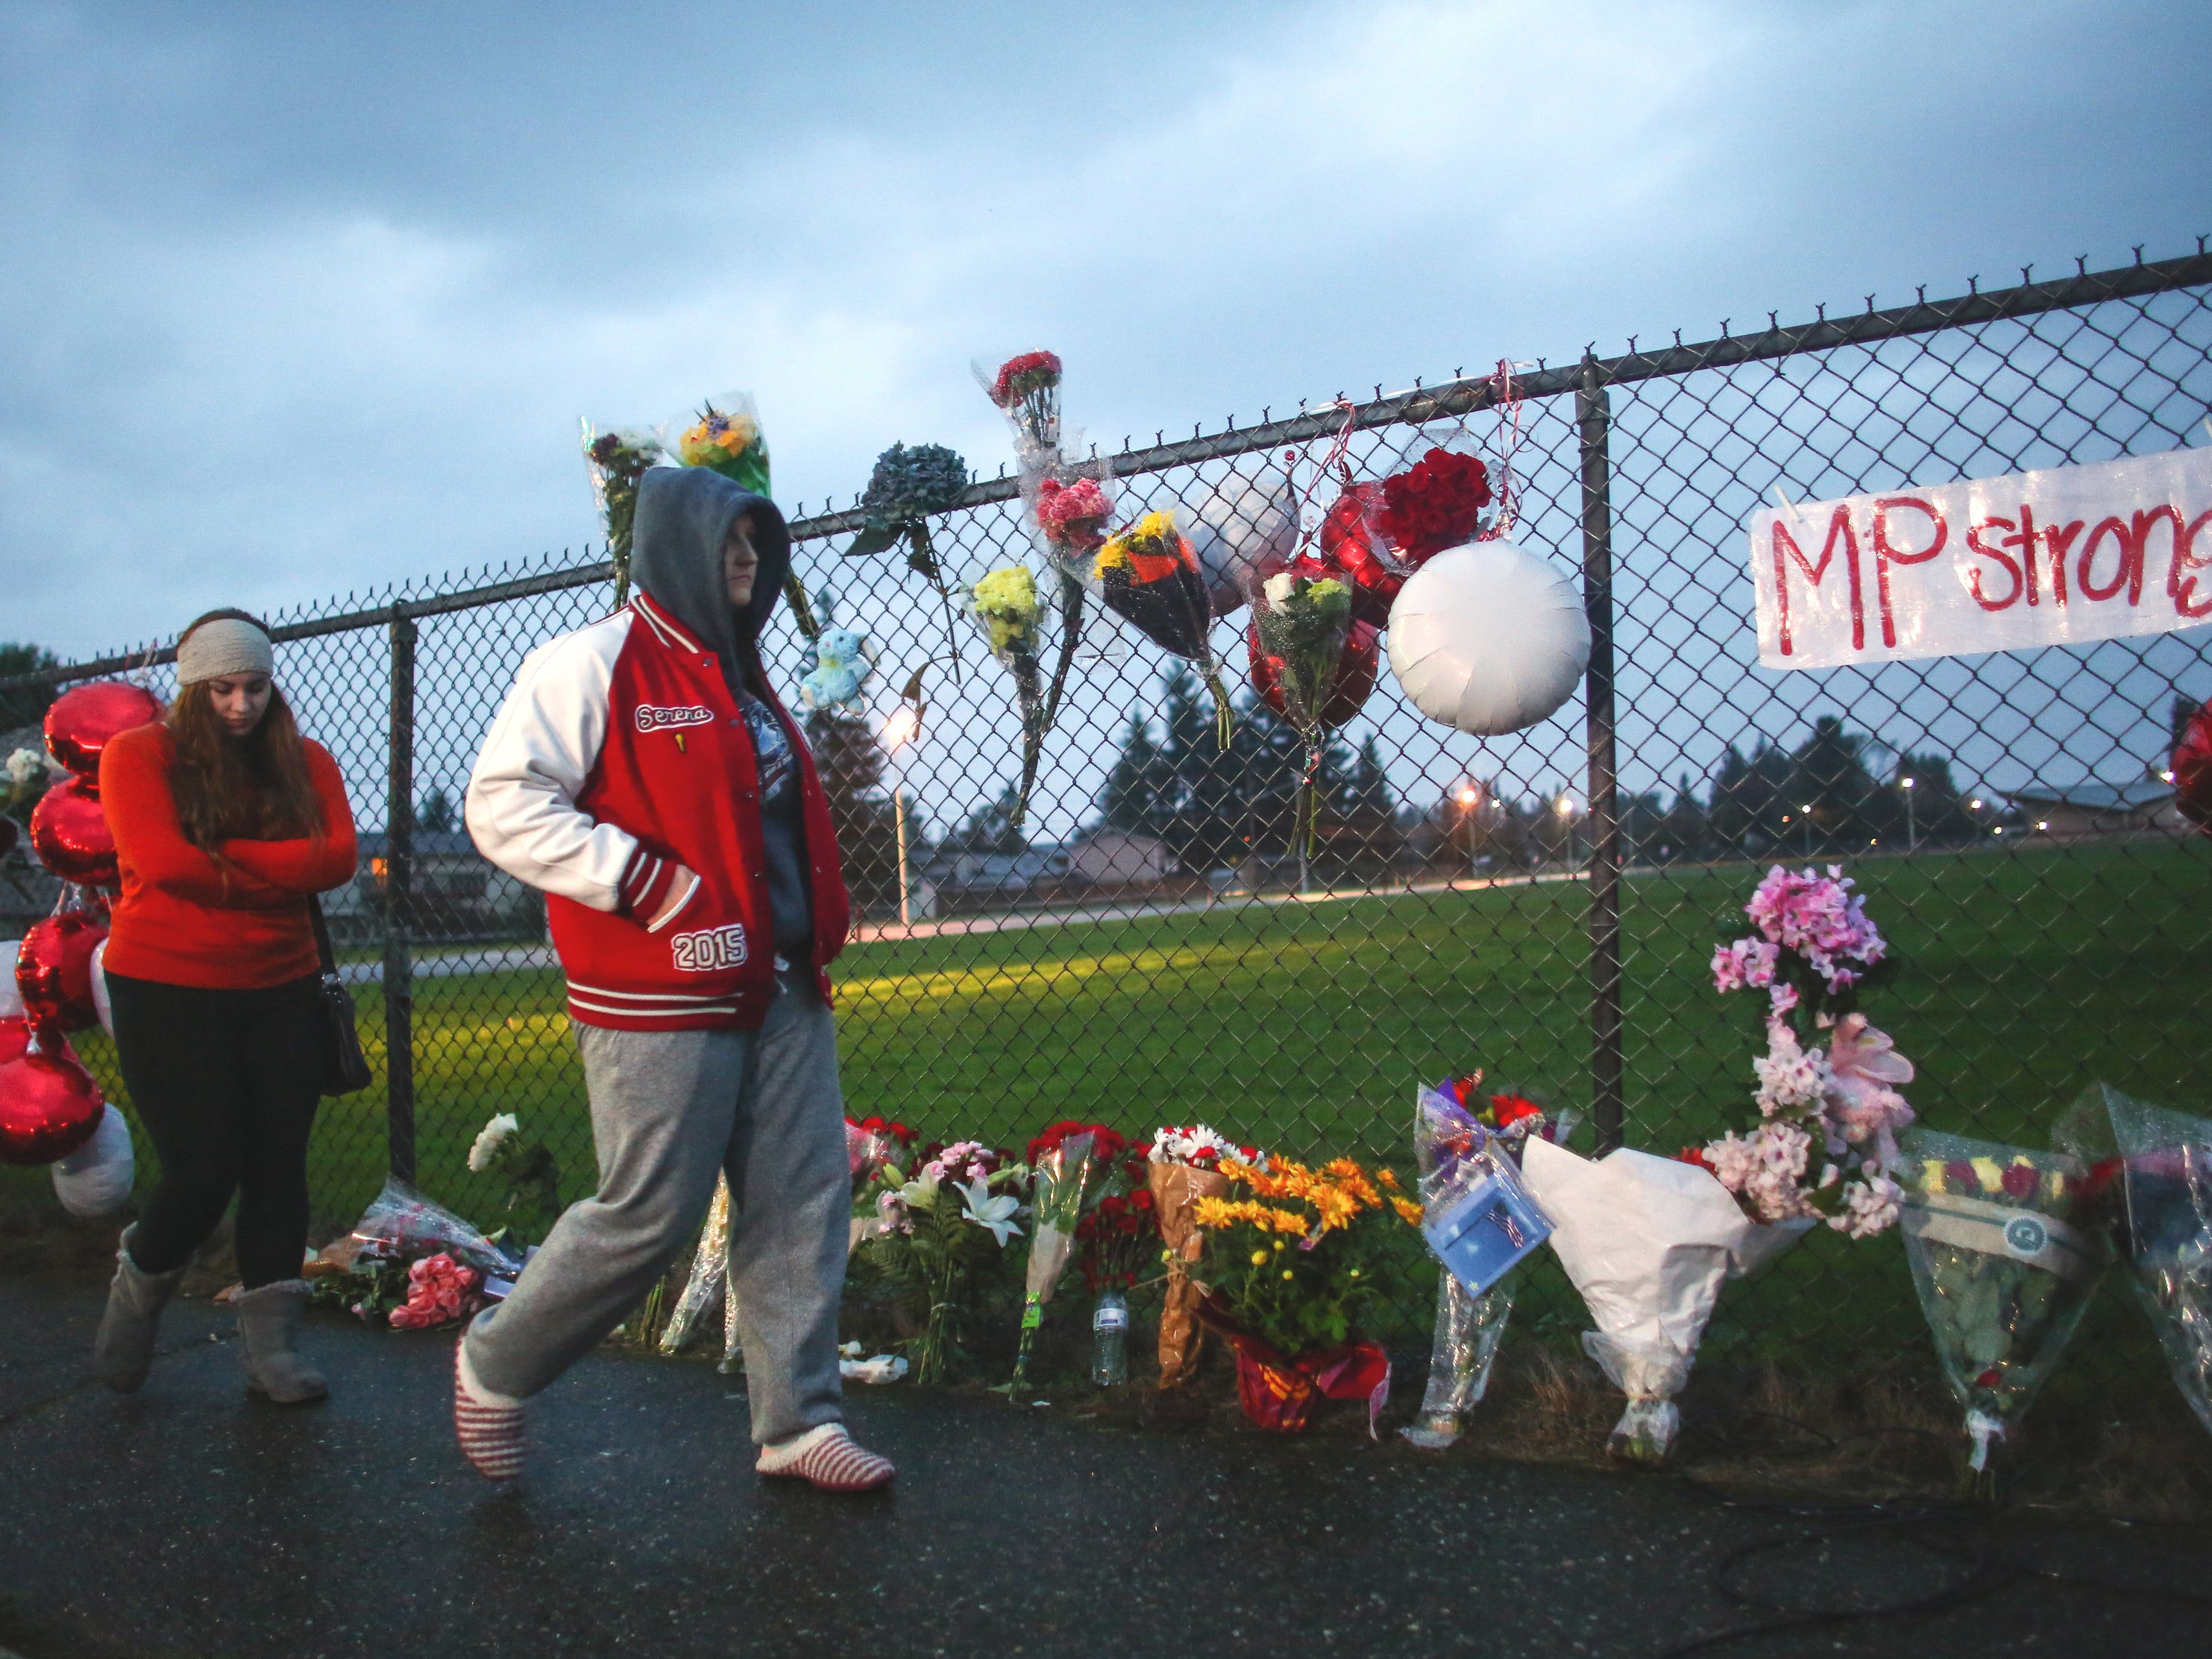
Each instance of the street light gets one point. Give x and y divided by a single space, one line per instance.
1565 808
1808 809
898 731
1911 828
1470 798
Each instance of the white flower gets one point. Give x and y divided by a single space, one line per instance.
1279 589
1791 1081
24 765
986 1209
489 1140
1869 1206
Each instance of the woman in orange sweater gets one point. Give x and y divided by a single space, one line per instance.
226 820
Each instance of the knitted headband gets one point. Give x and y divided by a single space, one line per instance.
226 645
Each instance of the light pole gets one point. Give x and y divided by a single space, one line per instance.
1470 800
1911 825
897 730
1566 810
1808 830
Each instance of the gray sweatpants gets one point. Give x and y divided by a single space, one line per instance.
669 1109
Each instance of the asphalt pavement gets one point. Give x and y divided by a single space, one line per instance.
189 1520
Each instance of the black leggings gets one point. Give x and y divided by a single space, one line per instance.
226 1083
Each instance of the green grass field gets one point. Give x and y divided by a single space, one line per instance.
1306 1027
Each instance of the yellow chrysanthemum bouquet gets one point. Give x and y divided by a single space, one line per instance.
1292 1255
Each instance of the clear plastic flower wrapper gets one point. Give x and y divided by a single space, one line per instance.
407 1224
1649 1241
1299 625
1147 574
871 1145
2005 1266
1481 1224
1011 612
617 460
1247 528
1064 1160
2164 1168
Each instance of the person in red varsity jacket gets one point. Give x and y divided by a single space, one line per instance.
644 776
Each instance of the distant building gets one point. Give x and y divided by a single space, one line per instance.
456 892
2091 810
1009 875
1106 857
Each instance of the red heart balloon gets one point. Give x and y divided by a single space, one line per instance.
49 1104
1352 543
82 719
69 834
1347 693
53 971
2192 770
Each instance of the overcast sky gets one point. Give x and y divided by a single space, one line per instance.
305 298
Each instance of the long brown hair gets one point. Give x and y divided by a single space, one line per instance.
254 786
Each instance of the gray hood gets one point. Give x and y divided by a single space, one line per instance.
684 515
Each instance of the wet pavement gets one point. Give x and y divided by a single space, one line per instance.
190 1520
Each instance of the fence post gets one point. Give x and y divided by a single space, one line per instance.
398 906
1594 419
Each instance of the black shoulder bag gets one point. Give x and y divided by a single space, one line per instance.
345 1068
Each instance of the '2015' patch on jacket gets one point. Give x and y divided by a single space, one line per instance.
710 950
652 717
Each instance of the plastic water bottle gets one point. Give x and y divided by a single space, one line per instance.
1109 1341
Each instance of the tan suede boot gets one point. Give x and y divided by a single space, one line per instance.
122 1352
269 1328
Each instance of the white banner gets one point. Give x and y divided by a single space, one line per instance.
2058 557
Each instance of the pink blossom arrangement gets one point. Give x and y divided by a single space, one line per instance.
1827 1138
440 1290
1073 515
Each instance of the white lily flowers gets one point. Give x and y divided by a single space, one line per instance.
993 1210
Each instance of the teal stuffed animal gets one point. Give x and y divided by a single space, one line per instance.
841 663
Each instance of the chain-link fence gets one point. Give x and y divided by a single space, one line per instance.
1149 948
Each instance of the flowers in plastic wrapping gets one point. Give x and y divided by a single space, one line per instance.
2004 1268
1009 610
1435 504
907 487
488 1140
1183 1165
1027 388
1072 514
525 1165
1067 1160
1200 1145
939 1235
726 438
1148 576
1117 1238
440 1291
2163 1166
1825 1144
618 459
2192 766
1298 624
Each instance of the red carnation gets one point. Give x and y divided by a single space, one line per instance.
1510 1109
1020 377
1694 1155
1959 1173
1437 503
2019 1180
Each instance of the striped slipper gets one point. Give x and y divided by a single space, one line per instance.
829 1458
490 1436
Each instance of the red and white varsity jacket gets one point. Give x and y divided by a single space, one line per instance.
618 757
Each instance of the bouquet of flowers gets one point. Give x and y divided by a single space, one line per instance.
380 1269
1648 1241
1468 1146
2165 1227
726 437
440 1291
1117 1236
1148 576
1182 1166
1066 1159
907 487
870 1146
617 460
1292 1259
1299 625
526 1167
2004 1268
1823 1117
1378 534
941 1231
1007 607
2192 766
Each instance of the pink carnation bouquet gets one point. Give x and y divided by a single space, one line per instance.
1826 1140
440 1291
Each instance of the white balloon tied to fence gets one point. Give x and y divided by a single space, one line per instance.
1488 638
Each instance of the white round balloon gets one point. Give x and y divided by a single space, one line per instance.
1488 638
95 1180
1246 520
